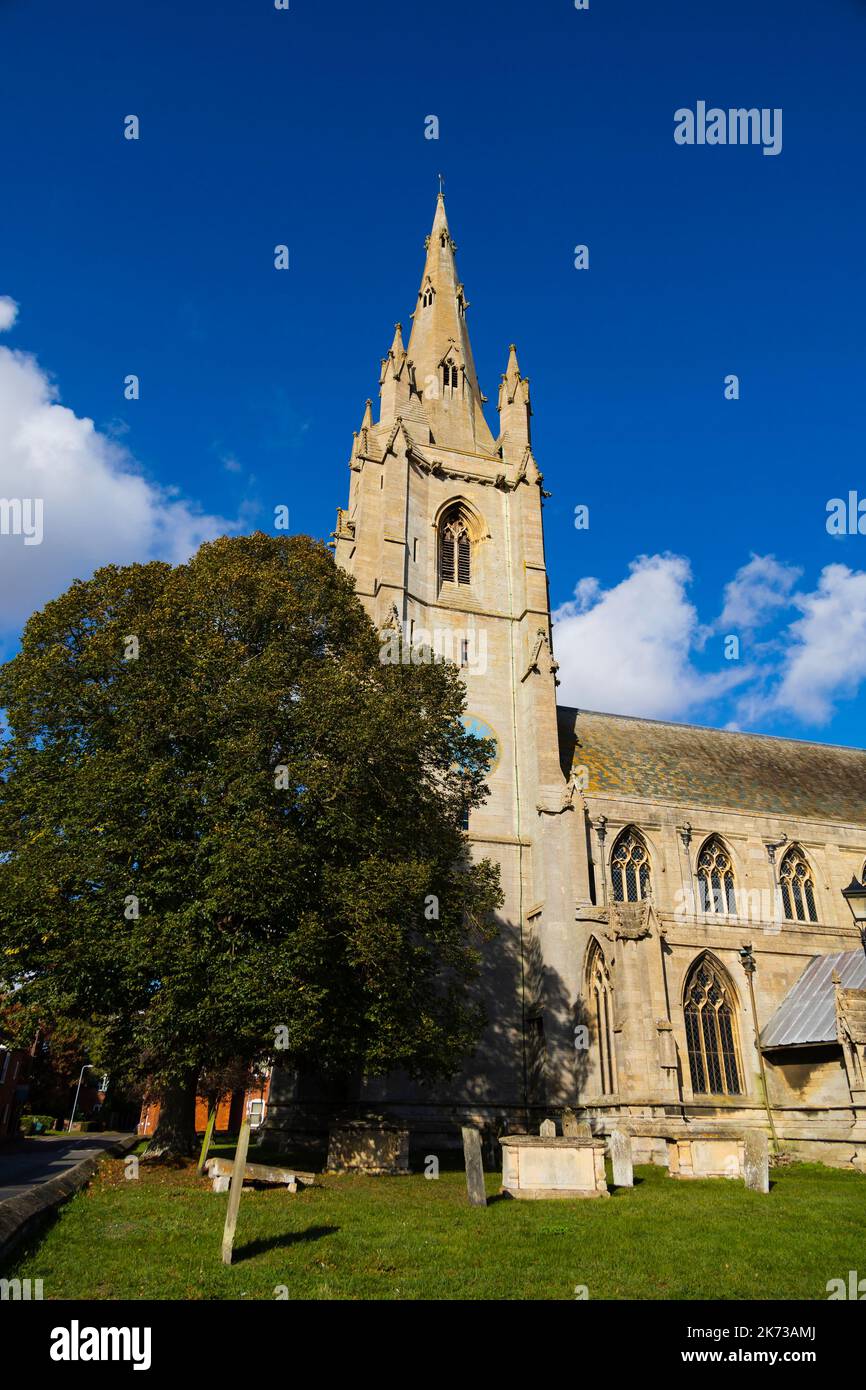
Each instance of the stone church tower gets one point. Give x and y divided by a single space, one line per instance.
443 534
675 953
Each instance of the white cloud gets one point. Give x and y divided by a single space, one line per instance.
628 649
97 507
757 592
8 312
826 659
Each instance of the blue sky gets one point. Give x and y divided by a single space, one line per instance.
306 127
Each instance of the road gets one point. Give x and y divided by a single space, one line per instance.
32 1161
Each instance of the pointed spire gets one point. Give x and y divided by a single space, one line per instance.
397 353
394 379
367 422
440 351
514 410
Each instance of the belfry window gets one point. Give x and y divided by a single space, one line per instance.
711 1034
450 377
630 868
716 878
797 887
455 550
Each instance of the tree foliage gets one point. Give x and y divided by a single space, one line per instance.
221 815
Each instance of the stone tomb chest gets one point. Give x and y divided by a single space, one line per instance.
706 1155
360 1147
541 1165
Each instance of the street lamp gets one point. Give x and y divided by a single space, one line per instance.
88 1066
855 897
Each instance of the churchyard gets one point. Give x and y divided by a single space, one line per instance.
354 1236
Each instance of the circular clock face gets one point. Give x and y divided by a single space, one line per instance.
479 728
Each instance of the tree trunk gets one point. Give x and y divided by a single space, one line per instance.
174 1136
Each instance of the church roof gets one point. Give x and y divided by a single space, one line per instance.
688 764
807 1014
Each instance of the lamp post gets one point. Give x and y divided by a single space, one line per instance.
855 897
87 1067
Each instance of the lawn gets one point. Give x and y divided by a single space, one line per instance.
413 1237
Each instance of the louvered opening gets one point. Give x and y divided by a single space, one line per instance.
455 551
447 560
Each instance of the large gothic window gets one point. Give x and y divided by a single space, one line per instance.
716 878
600 995
797 887
711 1033
630 868
455 549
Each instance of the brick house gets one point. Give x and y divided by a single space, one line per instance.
231 1109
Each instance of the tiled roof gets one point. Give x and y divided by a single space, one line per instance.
712 767
807 1014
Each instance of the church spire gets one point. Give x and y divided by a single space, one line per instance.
439 351
514 411
394 378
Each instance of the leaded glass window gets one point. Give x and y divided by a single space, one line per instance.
716 878
630 868
797 887
711 1032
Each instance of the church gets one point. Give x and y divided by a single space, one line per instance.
675 949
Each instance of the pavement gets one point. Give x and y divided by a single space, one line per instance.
29 1162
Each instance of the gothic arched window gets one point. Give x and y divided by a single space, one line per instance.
600 995
711 1032
630 868
450 376
428 296
455 549
797 887
716 878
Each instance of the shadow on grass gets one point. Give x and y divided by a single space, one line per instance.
260 1247
617 1191
28 1246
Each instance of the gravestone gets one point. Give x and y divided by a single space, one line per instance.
583 1129
620 1154
474 1167
547 1129
756 1161
368 1146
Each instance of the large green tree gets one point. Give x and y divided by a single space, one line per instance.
225 822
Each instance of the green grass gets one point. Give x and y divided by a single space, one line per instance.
409 1238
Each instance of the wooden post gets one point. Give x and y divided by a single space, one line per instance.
235 1191
206 1142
